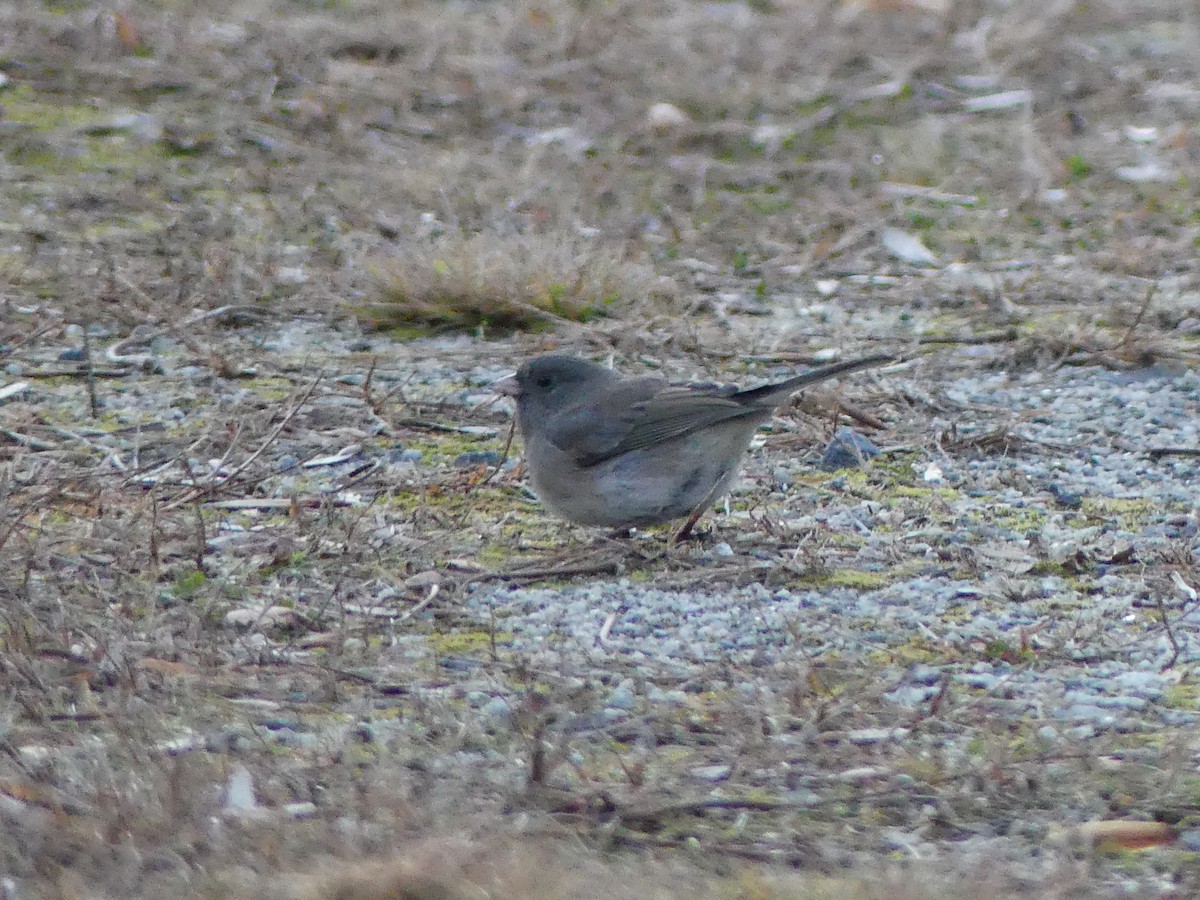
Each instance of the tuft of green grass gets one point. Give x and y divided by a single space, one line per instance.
1078 167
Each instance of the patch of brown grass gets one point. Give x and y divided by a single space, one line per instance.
483 282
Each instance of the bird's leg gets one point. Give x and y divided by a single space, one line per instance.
686 531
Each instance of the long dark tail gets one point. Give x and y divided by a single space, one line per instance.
775 393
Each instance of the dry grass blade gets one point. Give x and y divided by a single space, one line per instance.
295 407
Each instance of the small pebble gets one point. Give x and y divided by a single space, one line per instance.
400 456
298 740
496 713
422 581
1065 498
1190 840
473 458
621 697
459 664
239 791
863 736
658 695
847 450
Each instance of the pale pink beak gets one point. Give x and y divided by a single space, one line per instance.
508 386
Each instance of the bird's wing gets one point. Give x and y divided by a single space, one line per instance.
637 419
636 413
590 429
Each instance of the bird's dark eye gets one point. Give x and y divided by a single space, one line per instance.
543 381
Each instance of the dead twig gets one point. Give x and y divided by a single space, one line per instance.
503 459
80 372
1162 613
610 566
1127 338
1157 453
90 378
653 814
426 425
775 853
218 363
197 493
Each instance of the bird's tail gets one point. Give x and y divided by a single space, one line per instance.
775 393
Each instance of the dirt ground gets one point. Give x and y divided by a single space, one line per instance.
258 262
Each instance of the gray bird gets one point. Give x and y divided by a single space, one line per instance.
624 452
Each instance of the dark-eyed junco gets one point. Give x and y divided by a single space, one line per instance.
623 452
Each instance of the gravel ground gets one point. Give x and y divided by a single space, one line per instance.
274 604
1085 433
1059 638
954 655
